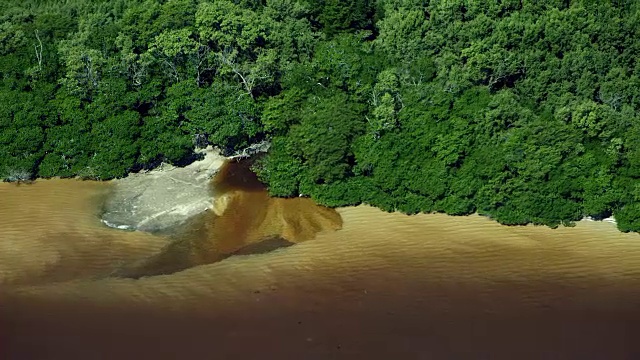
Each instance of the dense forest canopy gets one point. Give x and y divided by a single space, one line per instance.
525 111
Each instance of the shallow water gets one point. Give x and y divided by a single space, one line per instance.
244 220
360 283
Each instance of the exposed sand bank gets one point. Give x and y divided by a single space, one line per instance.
608 220
168 196
164 197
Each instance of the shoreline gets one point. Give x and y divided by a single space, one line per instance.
218 204
610 220
201 172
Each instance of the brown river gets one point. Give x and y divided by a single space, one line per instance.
287 279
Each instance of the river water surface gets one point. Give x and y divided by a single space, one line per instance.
359 283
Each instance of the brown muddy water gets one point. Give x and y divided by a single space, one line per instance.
359 283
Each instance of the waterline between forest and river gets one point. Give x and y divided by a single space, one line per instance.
359 282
